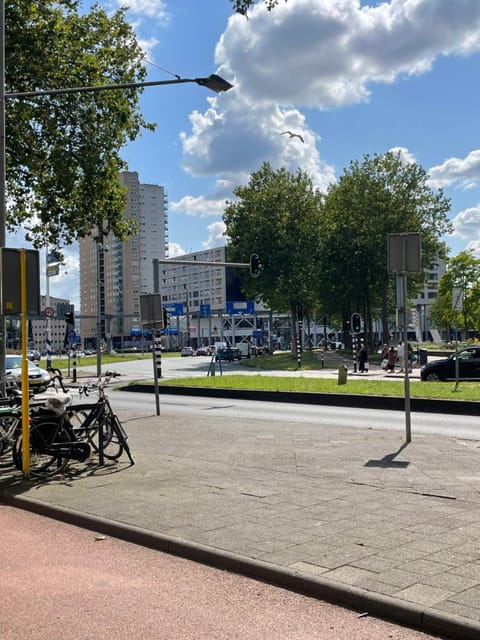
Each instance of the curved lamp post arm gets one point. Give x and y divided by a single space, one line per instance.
213 82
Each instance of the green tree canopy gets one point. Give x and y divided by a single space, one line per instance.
461 279
62 152
277 216
373 198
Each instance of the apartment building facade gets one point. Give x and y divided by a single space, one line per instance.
421 305
114 273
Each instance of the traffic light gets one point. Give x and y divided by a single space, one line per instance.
166 318
356 323
70 317
255 265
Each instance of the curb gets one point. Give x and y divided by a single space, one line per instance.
386 607
422 405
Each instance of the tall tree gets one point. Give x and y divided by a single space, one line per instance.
375 197
277 216
63 151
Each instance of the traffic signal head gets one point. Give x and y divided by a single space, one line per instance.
70 318
255 265
166 318
356 323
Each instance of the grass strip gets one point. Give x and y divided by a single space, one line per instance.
436 390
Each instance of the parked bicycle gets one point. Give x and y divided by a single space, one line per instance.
97 423
10 427
61 432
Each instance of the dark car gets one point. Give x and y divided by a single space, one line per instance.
228 354
443 370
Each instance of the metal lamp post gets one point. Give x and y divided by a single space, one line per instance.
213 82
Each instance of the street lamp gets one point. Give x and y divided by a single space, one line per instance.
213 82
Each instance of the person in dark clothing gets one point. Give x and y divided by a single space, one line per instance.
363 360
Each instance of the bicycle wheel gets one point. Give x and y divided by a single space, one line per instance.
113 442
9 430
47 458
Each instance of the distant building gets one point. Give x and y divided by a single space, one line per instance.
421 305
37 335
115 274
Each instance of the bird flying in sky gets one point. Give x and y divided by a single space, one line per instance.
293 135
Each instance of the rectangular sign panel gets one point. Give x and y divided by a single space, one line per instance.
205 310
404 253
174 308
245 307
11 302
151 310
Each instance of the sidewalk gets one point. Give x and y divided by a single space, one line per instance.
349 515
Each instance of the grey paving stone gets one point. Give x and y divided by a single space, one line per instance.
425 567
349 575
424 594
450 582
397 577
469 597
308 567
457 609
453 558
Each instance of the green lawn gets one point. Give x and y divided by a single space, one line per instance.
441 390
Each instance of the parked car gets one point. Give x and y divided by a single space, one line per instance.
187 351
228 354
33 355
444 369
202 351
38 378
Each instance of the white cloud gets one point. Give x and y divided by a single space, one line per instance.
406 155
174 250
462 171
320 54
215 236
474 247
254 133
327 53
466 224
151 8
198 205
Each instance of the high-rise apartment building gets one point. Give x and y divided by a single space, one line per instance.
115 273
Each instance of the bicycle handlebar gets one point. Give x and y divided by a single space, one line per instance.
100 384
57 375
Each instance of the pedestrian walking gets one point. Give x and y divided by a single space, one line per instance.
384 362
363 360
391 360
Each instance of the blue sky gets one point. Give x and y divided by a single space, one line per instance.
353 77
